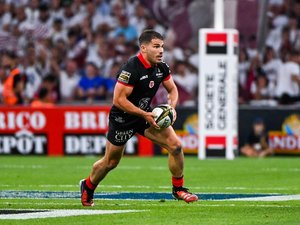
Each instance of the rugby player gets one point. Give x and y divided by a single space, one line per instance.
137 82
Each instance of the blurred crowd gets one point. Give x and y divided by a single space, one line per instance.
68 51
273 76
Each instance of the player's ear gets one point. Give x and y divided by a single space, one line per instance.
143 48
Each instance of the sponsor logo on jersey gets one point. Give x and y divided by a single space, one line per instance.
159 75
124 76
151 84
120 119
121 136
143 103
144 77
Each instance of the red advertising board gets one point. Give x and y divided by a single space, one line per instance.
61 130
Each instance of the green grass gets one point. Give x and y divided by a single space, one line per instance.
271 175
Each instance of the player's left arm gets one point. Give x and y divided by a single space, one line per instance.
172 90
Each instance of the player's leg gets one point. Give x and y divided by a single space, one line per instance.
249 151
168 139
111 159
266 152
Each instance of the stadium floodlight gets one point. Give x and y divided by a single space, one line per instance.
218 90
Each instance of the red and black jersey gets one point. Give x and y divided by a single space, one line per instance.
144 78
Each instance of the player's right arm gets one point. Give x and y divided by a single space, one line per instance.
120 100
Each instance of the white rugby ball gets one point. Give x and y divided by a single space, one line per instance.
163 115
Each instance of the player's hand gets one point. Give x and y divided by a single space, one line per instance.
149 117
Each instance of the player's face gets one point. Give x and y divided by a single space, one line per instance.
154 51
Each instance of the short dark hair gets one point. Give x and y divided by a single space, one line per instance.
43 92
148 35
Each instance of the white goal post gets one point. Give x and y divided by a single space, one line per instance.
218 88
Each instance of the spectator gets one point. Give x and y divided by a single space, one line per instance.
186 80
296 11
91 86
294 31
287 90
271 66
50 82
56 10
257 142
56 60
44 99
97 18
254 69
98 31
139 18
2 79
32 10
111 80
101 57
68 81
279 40
5 16
244 65
33 73
22 24
125 29
172 53
252 47
76 47
57 32
70 17
43 23
151 23
14 84
260 89
286 44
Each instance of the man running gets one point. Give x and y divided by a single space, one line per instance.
137 83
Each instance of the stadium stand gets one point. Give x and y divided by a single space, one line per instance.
59 38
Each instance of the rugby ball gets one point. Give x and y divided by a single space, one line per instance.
163 115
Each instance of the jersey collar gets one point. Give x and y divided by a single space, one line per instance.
143 61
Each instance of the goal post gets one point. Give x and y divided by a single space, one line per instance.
218 89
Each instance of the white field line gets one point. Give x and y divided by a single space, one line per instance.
149 187
263 206
62 213
281 170
16 166
58 203
148 204
268 198
37 166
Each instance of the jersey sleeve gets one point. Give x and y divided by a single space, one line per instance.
127 76
166 71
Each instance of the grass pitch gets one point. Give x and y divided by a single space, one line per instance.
240 176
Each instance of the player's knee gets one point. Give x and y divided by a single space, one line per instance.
106 165
176 148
